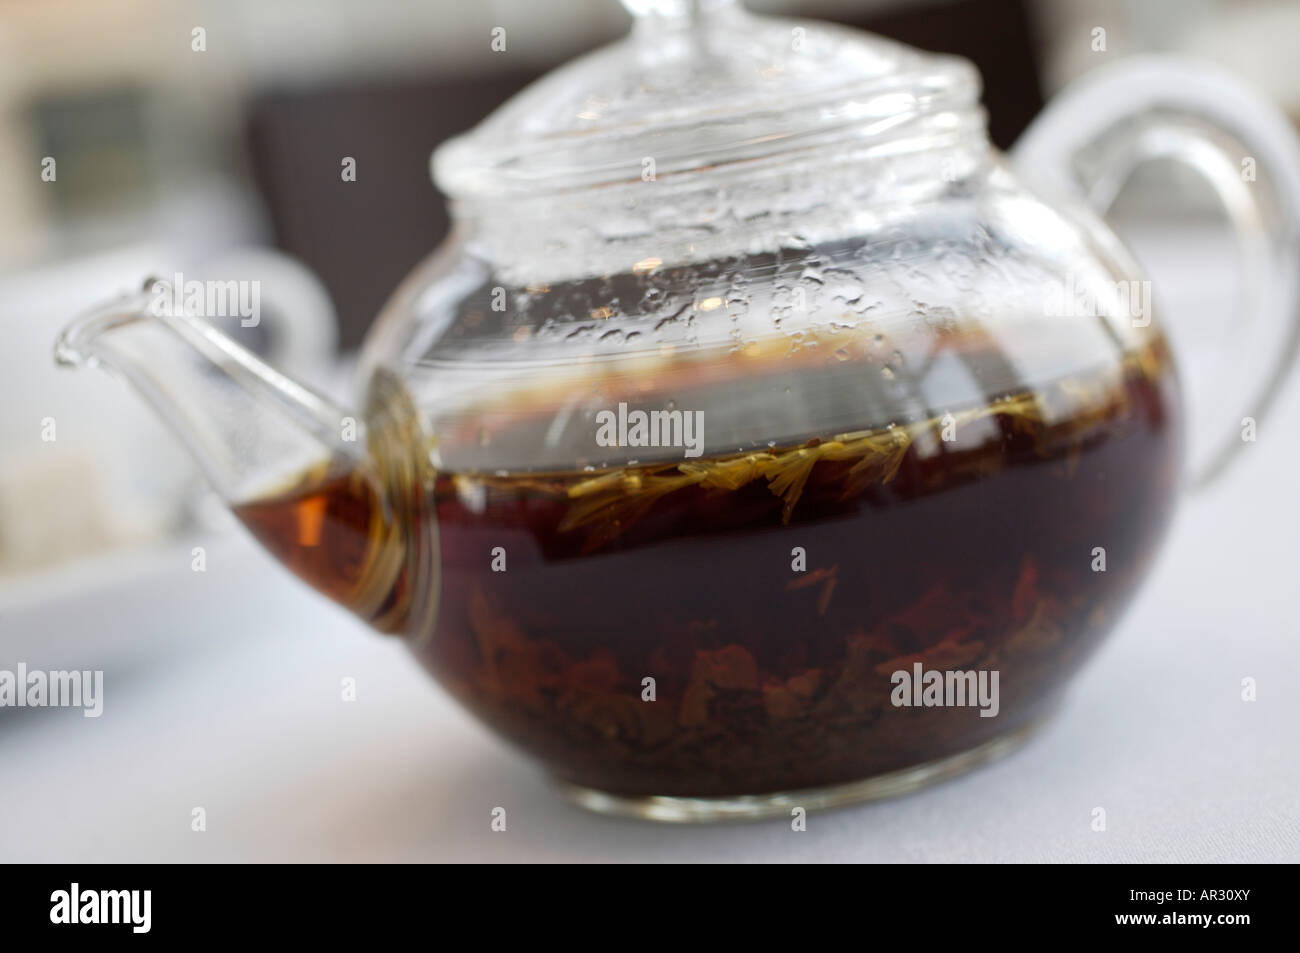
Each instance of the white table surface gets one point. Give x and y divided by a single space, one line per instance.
223 691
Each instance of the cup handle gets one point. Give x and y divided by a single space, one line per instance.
1093 136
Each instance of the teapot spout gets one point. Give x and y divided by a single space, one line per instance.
251 429
269 445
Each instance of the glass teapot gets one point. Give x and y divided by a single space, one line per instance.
760 437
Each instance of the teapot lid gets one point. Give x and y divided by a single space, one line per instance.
698 85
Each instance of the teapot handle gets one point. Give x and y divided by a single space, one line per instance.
1089 141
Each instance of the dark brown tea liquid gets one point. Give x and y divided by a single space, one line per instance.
683 582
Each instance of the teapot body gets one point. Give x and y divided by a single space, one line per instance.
822 511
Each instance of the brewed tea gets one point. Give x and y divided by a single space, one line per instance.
729 624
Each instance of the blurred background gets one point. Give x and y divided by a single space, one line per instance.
223 162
